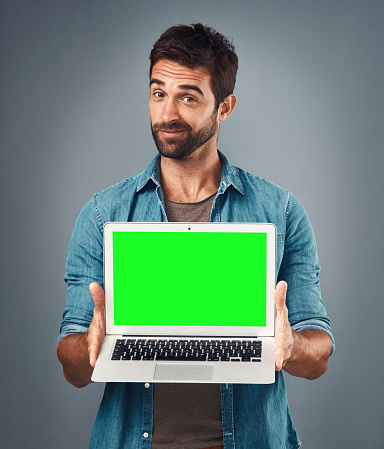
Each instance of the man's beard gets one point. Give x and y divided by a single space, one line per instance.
183 146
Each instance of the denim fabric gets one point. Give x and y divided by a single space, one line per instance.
254 416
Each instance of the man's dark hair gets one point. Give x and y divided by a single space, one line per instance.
200 46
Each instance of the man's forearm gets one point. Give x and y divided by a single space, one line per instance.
73 354
310 351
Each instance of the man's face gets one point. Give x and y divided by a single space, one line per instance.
182 109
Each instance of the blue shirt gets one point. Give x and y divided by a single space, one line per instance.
253 416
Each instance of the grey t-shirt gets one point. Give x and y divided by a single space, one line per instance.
187 416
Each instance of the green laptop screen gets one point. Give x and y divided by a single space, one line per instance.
189 278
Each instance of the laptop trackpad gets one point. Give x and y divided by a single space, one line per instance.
183 371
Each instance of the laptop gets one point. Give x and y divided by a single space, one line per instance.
188 302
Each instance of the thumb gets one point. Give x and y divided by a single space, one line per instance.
97 295
280 295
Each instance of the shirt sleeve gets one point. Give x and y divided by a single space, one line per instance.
84 265
300 268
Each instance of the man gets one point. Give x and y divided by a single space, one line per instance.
192 78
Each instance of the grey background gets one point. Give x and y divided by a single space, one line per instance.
74 120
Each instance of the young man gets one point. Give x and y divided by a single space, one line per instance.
192 79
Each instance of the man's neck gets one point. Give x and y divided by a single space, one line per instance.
192 179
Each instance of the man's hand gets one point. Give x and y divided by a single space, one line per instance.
304 353
283 331
96 331
78 352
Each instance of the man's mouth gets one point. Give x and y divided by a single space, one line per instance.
171 132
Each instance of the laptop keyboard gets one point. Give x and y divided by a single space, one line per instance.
188 350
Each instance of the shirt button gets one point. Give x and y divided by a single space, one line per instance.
145 434
147 385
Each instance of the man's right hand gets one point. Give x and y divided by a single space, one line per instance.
96 331
78 352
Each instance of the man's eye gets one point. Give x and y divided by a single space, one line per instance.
189 99
158 94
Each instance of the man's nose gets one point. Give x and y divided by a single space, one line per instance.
170 111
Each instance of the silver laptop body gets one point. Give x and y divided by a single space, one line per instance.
188 302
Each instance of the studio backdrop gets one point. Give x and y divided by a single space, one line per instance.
74 120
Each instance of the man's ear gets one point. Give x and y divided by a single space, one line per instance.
227 106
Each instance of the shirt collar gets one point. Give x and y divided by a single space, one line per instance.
229 175
151 172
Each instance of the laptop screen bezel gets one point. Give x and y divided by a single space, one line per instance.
193 331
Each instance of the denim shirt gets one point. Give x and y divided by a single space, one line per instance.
253 416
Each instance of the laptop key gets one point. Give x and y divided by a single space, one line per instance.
199 358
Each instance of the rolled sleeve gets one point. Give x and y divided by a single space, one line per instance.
69 329
300 268
84 265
